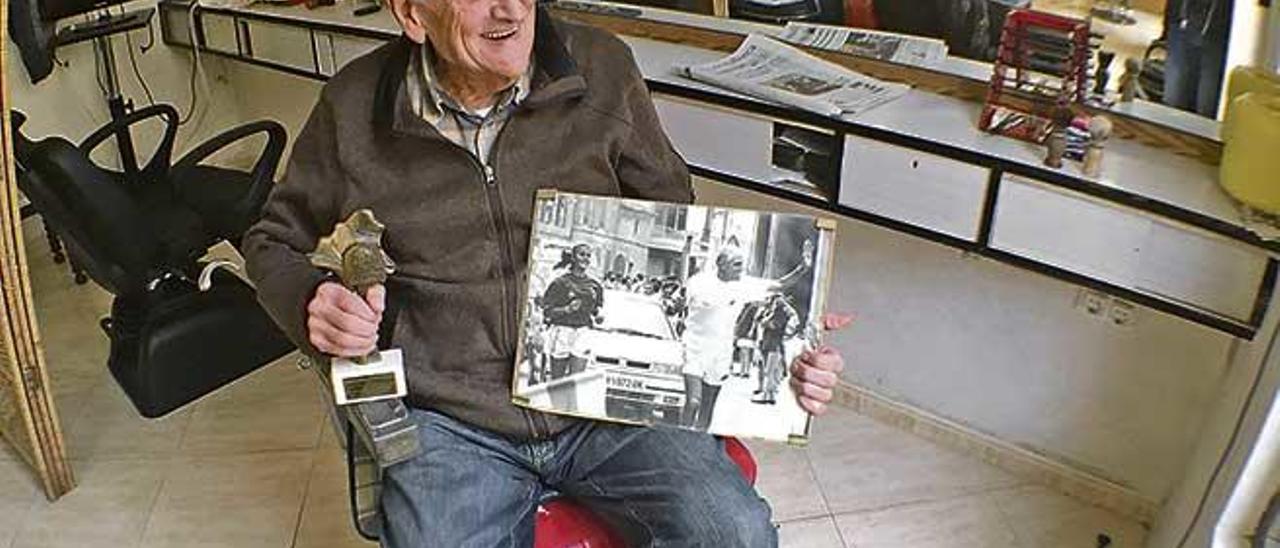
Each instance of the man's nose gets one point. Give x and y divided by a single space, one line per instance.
512 10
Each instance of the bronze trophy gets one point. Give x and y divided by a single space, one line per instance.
366 390
354 252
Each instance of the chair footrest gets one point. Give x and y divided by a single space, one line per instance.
188 343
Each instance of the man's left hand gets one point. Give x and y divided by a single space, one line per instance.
815 372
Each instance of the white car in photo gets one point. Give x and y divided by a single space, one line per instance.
637 348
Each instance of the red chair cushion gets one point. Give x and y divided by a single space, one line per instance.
742 457
563 524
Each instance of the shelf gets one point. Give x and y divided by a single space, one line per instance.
105 26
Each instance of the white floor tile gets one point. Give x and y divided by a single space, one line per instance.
810 533
786 480
243 501
868 466
966 522
109 507
1043 519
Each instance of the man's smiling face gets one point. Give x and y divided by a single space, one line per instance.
485 39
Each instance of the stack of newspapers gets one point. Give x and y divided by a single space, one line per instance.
884 46
766 68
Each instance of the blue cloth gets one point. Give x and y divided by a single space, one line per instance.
654 486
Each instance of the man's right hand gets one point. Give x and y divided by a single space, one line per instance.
340 323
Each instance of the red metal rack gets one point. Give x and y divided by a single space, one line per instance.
1040 71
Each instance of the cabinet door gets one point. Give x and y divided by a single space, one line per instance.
219 33
1127 248
283 45
914 187
346 48
28 418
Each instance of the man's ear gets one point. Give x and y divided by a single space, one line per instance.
409 15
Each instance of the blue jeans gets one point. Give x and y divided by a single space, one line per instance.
654 486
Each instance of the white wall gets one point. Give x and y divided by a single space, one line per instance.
1006 352
258 94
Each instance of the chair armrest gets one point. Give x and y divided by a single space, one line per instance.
264 169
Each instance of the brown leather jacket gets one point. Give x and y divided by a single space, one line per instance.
460 240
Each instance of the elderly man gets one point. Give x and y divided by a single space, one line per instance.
446 134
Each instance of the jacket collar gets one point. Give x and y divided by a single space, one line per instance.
556 77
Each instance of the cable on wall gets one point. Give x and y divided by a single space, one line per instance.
133 61
195 65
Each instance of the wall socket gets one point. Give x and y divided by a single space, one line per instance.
1093 303
1123 313
1118 312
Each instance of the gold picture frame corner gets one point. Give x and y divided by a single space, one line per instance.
798 440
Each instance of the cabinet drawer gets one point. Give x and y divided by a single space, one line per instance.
282 45
219 33
347 48
1127 248
914 187
719 139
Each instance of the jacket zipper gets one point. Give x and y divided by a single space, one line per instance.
538 427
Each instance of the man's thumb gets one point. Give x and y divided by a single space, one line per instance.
376 297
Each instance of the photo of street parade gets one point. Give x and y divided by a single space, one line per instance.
669 314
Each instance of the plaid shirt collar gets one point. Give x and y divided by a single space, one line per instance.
431 102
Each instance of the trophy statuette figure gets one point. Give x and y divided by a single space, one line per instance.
354 252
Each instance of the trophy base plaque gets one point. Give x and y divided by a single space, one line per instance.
385 428
377 377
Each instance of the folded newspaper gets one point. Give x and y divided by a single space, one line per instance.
885 46
769 69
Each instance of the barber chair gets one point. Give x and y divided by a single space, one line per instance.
179 328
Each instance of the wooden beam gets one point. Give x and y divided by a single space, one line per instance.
26 386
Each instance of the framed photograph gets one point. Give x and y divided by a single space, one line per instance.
670 314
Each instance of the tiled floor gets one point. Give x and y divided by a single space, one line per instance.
255 465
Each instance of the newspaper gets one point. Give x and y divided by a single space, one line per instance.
769 69
885 46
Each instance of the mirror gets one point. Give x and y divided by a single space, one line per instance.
1179 48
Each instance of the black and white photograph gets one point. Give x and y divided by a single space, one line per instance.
670 314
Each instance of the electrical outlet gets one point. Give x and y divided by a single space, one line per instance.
1122 313
1092 303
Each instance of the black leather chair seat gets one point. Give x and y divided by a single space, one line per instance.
181 233
217 194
